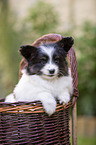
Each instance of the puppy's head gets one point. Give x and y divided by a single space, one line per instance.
47 60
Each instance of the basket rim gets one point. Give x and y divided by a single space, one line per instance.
28 107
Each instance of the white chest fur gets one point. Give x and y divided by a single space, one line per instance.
29 87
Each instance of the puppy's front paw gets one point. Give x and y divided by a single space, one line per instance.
65 98
49 107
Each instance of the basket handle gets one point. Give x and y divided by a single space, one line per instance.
73 65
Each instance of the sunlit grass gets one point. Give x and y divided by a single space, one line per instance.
85 141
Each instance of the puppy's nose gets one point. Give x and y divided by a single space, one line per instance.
51 71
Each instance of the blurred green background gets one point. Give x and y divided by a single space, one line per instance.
22 22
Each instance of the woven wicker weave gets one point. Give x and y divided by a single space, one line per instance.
27 123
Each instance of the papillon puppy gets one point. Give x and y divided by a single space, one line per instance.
47 77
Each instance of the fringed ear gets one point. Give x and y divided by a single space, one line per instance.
27 50
66 43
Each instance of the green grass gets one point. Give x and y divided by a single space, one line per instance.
86 141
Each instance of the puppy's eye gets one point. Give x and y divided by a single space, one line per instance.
56 59
43 60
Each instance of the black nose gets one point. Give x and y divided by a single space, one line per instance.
51 71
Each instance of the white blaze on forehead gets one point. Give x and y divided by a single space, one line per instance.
50 65
48 51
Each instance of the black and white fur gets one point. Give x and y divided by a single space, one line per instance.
47 76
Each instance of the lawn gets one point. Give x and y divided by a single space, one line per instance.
86 141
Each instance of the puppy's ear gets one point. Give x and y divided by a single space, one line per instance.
66 43
27 51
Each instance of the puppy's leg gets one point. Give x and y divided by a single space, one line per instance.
48 102
64 97
10 98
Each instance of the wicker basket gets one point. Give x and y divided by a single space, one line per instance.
27 123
